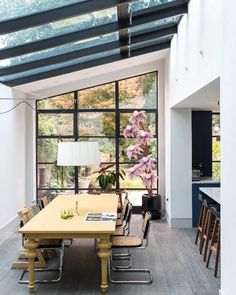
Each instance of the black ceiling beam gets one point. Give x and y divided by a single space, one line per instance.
123 20
138 37
140 17
56 14
64 70
146 35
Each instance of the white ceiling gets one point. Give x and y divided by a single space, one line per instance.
206 98
94 76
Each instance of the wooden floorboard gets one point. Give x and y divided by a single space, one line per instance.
174 260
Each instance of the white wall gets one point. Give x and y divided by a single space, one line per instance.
228 147
180 190
12 156
199 30
193 63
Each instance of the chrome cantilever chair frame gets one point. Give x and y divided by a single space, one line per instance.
128 269
59 268
58 248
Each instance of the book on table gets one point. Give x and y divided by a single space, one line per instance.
105 216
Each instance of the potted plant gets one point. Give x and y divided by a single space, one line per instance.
108 177
144 169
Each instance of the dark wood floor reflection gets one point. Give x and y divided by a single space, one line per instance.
176 266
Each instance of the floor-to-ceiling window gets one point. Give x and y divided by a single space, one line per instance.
216 145
98 114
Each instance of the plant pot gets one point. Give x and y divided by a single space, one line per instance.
108 188
152 204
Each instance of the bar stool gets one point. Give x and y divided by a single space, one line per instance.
202 217
208 226
215 241
200 220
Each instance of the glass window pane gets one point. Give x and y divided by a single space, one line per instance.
53 176
131 183
16 8
55 124
65 101
52 193
215 149
96 124
47 149
154 24
151 122
87 178
100 97
68 63
135 196
70 47
125 143
216 170
142 4
216 124
138 92
107 148
65 26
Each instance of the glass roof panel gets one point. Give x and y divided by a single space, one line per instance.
66 48
65 26
17 8
155 24
62 65
150 42
142 4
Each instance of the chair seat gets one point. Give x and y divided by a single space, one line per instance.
119 222
126 241
118 232
49 243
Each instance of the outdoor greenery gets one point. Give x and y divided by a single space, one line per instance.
216 146
96 117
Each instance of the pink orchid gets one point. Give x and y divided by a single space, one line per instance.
138 117
134 151
134 171
144 136
149 180
146 163
130 131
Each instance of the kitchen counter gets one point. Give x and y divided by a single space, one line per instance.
212 192
205 180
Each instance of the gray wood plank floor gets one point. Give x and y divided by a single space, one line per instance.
176 266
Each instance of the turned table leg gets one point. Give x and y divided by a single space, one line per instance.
104 252
31 254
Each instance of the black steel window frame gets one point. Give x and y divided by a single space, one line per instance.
76 137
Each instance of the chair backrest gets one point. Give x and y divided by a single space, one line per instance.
124 208
129 213
34 208
25 215
146 224
44 201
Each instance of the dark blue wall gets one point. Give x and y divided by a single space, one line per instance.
202 141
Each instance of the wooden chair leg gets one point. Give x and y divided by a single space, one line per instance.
217 256
208 236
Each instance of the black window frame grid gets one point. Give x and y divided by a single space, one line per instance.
75 111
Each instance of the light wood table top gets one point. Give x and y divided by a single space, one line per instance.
49 219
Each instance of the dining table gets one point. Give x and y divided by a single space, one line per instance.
48 224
